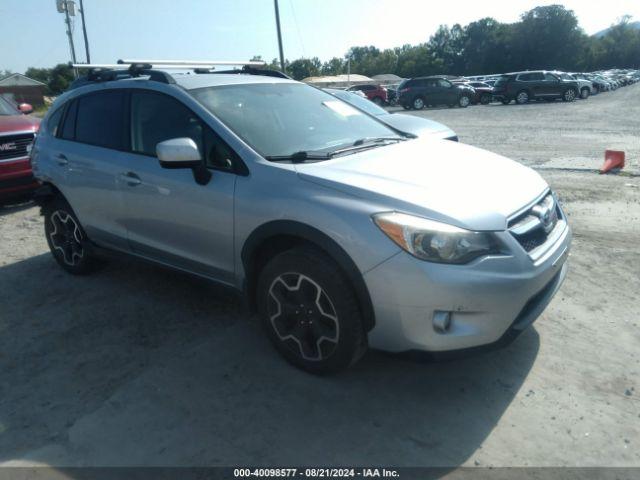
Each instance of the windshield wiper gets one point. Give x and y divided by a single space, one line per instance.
298 157
365 143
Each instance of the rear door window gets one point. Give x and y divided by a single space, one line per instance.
100 120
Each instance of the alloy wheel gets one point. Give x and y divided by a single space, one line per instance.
523 97
303 316
464 101
66 237
570 95
418 104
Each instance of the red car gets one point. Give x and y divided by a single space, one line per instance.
375 93
17 132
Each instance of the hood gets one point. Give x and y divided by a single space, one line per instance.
18 123
437 179
417 125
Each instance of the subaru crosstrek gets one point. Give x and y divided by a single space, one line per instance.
341 231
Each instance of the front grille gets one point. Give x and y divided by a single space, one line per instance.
532 227
15 146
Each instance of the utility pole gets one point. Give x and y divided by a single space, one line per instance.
275 3
63 7
84 32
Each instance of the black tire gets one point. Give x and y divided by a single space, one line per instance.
66 238
418 103
505 101
522 97
485 99
569 95
308 276
584 93
464 101
406 107
378 101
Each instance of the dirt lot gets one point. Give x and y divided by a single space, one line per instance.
141 366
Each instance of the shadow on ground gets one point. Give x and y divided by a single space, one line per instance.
136 365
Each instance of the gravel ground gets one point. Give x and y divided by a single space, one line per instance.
136 365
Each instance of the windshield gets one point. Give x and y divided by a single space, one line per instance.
281 119
358 102
6 108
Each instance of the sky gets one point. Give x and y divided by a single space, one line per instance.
33 32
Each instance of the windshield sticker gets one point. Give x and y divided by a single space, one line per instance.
341 108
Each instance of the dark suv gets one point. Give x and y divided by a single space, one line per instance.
419 92
535 85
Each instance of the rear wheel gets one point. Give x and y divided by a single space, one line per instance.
485 99
418 103
464 101
310 311
522 97
569 95
66 238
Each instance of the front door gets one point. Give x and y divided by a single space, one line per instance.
170 217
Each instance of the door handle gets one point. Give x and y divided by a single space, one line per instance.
130 179
61 160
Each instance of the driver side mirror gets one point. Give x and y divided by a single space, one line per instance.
25 108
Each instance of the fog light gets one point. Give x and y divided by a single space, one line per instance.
441 321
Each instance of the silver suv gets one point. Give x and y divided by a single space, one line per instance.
342 232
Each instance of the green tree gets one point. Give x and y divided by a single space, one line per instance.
304 67
57 79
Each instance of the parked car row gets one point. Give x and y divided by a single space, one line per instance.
519 87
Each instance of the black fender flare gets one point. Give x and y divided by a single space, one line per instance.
311 235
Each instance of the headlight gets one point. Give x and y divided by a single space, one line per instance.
435 241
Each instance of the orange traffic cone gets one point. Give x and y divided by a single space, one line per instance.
612 159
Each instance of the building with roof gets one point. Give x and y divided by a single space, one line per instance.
22 89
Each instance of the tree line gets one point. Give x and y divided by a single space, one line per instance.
547 37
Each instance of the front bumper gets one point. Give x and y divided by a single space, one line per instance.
16 178
487 300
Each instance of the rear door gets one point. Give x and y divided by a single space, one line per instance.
169 217
91 149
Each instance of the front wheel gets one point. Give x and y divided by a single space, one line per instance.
464 101
584 93
505 101
418 103
66 238
310 311
569 95
485 99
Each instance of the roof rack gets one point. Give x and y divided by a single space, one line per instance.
107 73
127 69
247 70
